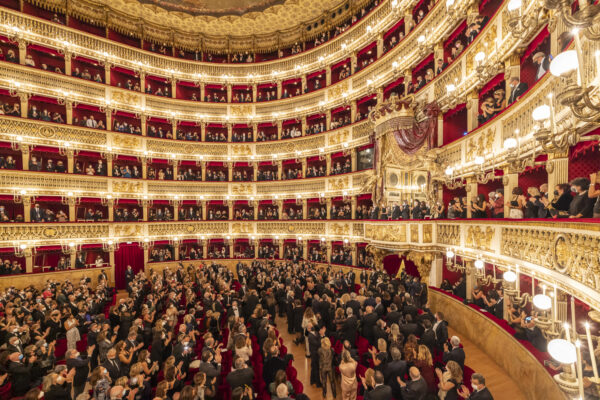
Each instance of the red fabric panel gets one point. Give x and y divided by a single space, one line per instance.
532 177
455 124
127 254
366 49
457 32
339 64
393 29
422 65
584 159
316 73
491 85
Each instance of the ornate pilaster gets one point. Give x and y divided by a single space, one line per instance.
510 180
472 110
558 170
328 76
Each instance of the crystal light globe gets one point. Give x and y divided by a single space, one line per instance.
510 143
449 171
479 57
541 113
449 3
449 254
514 5
479 160
562 351
479 264
510 276
564 63
542 302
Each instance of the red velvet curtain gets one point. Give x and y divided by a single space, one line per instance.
127 254
391 265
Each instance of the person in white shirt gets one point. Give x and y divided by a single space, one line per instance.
543 62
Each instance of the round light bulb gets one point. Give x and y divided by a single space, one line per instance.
449 254
564 63
514 5
450 88
562 351
449 171
479 264
542 302
541 113
479 160
479 57
510 143
510 276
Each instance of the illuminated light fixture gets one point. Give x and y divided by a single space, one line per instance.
450 88
322 239
479 57
346 241
514 5
564 63
449 3
542 302
541 113
510 143
23 246
509 276
449 170
479 160
479 264
395 64
562 351
421 39
449 254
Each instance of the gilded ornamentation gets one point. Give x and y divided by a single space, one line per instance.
336 91
423 263
339 137
479 238
241 150
480 144
126 97
338 229
128 230
427 233
386 233
242 227
127 141
127 186
241 111
414 233
448 234
16 232
338 183
242 189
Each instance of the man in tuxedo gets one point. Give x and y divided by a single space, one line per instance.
37 214
428 336
354 304
242 375
210 365
82 368
367 322
440 327
129 275
381 391
543 62
19 373
517 89
416 388
314 343
113 365
480 391
396 211
349 327
456 354
395 368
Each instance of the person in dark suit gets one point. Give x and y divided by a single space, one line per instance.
428 336
480 391
440 327
396 211
349 327
393 315
517 89
457 354
543 62
381 391
37 214
210 365
273 363
20 374
394 369
113 365
314 343
241 375
129 275
367 322
416 388
82 369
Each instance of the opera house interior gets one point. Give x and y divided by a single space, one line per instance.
299 199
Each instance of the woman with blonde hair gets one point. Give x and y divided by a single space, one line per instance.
424 362
161 390
308 318
368 381
410 348
326 366
395 338
450 381
380 355
348 376
100 382
243 347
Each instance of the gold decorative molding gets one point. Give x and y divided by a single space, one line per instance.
479 238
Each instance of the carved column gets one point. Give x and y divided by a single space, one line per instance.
144 170
354 159
279 204
146 256
380 94
353 204
304 88
174 88
203 169
176 206
143 81
68 67
354 61
279 169
28 260
472 110
409 22
440 130
145 211
27 208
407 79
304 160
328 119
303 126
202 92
256 245
281 248
25 156
109 164
279 128
304 208
205 249
229 93
380 43
22 51
69 111
328 164
229 172
230 210
437 270
305 250
203 132
109 123
328 205
353 109
255 210
24 102
176 251
512 68
72 213
279 89
204 213
73 258
143 124
111 261
254 132
558 170
110 205
471 281
328 76
471 189
255 175
229 132
107 73
510 180
254 92
328 247
354 251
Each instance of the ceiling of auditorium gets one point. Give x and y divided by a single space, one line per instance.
226 17
214 7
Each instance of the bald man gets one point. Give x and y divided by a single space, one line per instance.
416 388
